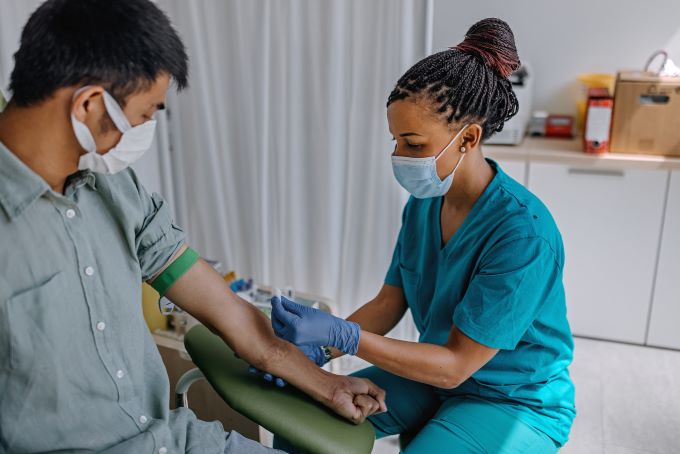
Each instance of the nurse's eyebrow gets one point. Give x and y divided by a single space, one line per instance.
406 134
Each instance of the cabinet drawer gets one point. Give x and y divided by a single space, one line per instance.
610 222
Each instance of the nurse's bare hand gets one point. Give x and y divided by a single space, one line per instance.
356 398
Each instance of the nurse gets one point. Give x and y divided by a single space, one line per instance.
479 262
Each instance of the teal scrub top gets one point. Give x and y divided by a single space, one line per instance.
499 281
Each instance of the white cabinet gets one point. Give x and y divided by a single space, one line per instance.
516 169
664 325
611 223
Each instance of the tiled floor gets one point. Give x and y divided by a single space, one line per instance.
627 398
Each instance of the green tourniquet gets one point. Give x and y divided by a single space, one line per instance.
171 274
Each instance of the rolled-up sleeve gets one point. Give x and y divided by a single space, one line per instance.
393 276
159 237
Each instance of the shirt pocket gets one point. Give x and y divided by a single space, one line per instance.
33 321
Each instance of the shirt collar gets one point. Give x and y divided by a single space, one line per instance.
19 185
76 180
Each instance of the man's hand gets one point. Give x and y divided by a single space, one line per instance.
356 398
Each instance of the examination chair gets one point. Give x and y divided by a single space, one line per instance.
306 424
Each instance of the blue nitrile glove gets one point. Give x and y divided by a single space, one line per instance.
267 376
280 382
314 353
303 325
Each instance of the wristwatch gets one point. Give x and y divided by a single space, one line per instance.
327 356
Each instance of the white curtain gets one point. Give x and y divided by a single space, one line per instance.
13 15
281 148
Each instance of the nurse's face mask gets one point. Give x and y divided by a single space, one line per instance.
419 175
134 142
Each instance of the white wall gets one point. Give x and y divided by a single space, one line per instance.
563 39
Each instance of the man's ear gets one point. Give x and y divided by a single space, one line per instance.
89 102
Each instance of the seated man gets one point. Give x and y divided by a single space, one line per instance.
78 233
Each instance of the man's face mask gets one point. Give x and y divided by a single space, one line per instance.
136 140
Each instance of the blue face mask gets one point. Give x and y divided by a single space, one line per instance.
419 175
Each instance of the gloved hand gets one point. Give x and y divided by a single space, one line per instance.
303 325
313 352
267 376
280 382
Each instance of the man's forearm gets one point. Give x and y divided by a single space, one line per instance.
280 358
203 293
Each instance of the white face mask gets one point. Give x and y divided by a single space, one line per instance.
131 146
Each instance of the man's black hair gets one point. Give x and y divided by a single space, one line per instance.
123 45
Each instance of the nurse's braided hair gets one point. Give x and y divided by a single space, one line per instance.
469 81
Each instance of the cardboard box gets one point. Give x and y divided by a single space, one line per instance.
646 114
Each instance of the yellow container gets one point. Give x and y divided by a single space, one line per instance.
591 80
152 312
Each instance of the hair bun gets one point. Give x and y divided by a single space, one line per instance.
492 40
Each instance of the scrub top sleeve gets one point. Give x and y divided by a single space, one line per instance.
505 297
393 276
158 238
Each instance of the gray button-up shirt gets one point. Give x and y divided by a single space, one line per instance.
79 370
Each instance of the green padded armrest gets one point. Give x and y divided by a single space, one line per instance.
288 412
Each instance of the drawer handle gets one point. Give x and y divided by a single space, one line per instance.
597 172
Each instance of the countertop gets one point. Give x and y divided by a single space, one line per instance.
570 152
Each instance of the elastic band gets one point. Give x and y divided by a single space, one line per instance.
171 274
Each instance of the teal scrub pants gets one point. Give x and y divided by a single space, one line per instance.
457 424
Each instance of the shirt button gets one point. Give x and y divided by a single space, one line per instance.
163 450
142 419
120 374
70 213
89 271
101 326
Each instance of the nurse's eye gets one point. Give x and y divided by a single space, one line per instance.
414 146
